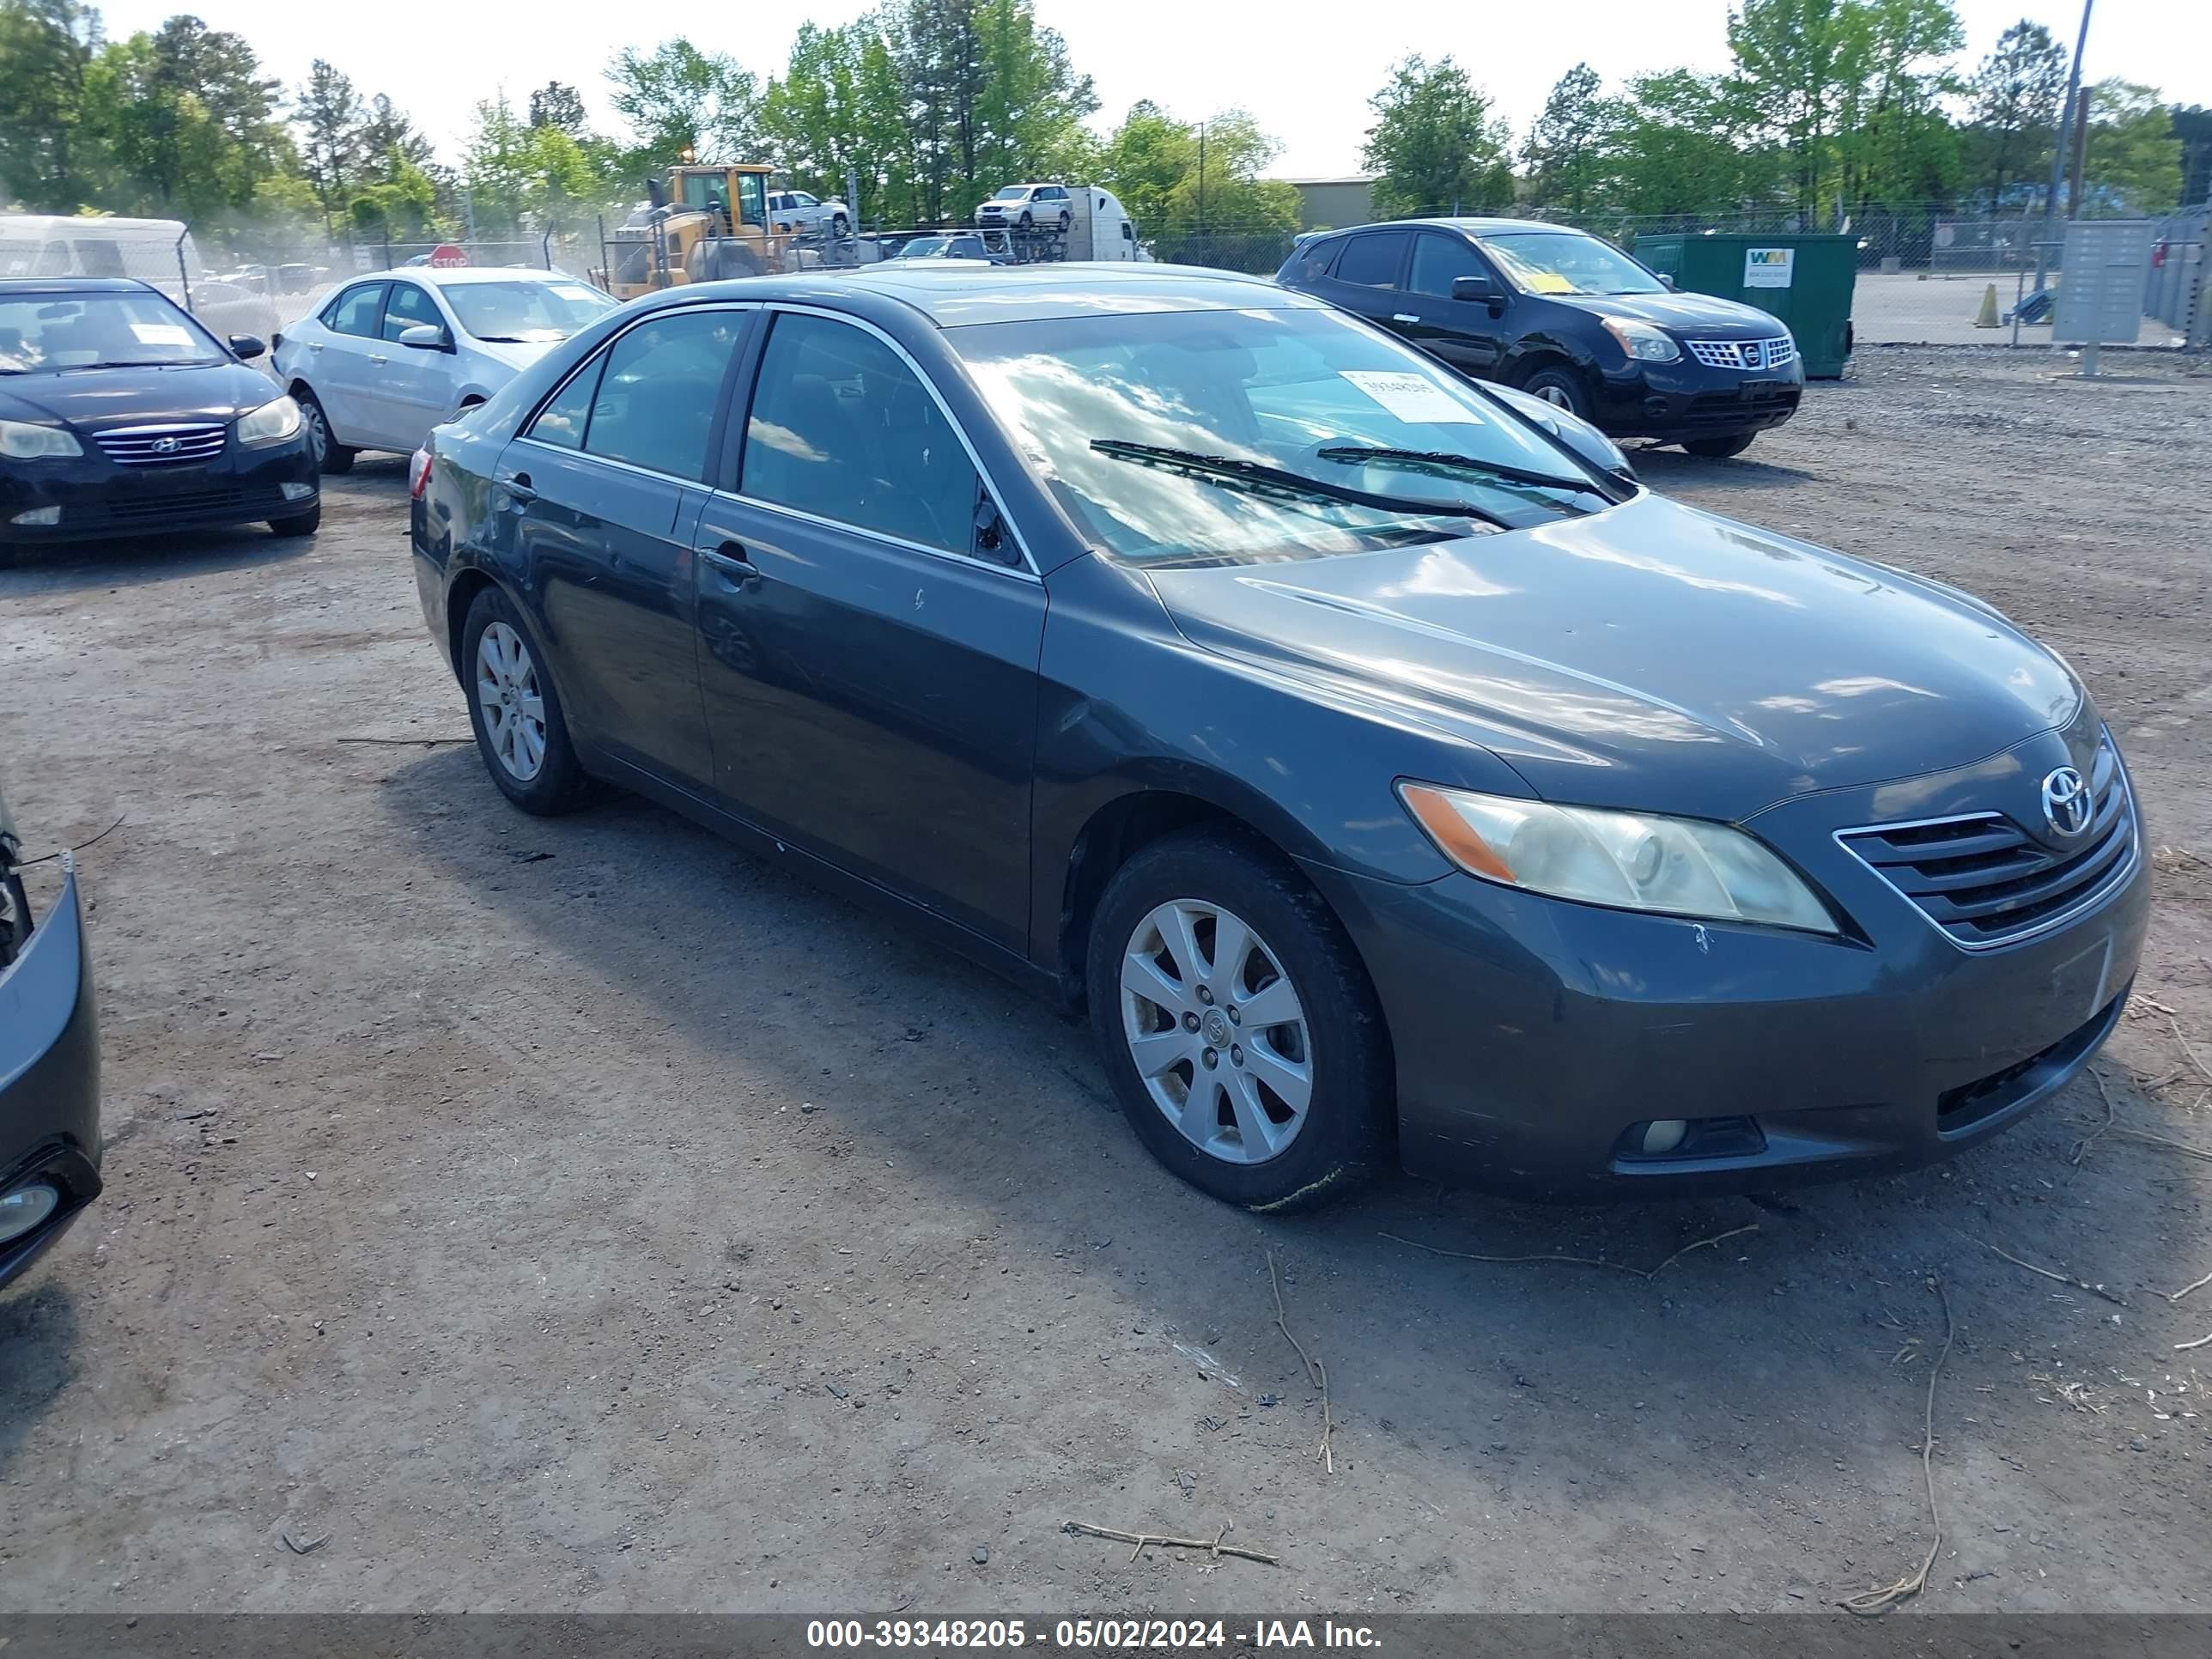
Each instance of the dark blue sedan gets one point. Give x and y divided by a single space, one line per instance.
1386 772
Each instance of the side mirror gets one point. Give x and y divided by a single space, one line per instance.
1477 290
1587 442
246 347
1666 279
426 336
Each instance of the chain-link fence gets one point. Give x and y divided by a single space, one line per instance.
1926 275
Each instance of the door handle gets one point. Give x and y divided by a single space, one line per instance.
378 362
314 345
518 487
1400 317
728 561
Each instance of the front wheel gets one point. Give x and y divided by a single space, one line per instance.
1720 449
1237 1026
515 712
300 524
1562 388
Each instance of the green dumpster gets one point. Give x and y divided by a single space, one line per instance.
1804 279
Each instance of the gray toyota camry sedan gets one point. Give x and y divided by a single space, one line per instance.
1384 772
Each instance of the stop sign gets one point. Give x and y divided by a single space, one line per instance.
445 256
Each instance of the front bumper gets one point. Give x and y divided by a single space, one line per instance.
1534 1037
49 1077
1686 400
99 499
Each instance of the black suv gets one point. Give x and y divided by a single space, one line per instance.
1570 318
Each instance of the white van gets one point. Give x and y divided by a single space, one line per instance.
156 251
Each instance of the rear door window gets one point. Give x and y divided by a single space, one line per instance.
662 387
563 421
1372 260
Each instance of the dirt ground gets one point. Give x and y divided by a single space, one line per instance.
582 1215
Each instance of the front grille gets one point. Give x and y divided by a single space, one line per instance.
1745 353
1733 412
161 446
1984 881
188 504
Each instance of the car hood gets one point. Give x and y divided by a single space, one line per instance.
1649 657
93 398
1701 313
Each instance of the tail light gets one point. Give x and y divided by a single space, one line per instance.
418 473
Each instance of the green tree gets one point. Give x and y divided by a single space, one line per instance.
1563 153
1030 104
2014 96
557 104
679 99
1897 145
1145 158
1224 189
331 116
46 48
2134 156
1800 66
1434 145
1680 143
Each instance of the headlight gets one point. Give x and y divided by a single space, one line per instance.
271 424
23 440
1642 342
1632 861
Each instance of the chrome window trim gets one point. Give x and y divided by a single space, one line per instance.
2099 895
605 347
1022 574
1028 566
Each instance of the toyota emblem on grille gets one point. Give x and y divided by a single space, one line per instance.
164 445
2066 804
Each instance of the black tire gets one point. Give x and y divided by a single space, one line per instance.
300 524
1025 222
560 784
1563 386
1065 220
1345 1133
840 228
330 455
1720 449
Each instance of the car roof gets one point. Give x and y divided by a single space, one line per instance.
957 294
444 276
75 285
1470 226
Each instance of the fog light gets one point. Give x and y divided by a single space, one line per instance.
39 515
1664 1136
297 492
25 1208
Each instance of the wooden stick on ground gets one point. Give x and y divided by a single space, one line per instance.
2193 1285
1315 1371
1213 1546
2063 1278
1868 1603
1581 1260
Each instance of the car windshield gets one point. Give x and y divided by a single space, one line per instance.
921 247
1151 429
1568 262
524 311
1012 194
52 331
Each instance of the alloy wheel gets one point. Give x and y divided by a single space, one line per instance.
513 706
318 430
1557 397
1216 1031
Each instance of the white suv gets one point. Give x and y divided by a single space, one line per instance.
795 209
1027 207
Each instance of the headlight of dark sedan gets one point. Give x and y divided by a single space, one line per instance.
1631 860
272 423
28 440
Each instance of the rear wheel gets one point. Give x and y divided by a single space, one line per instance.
330 455
1237 1026
841 227
515 712
1720 448
1562 388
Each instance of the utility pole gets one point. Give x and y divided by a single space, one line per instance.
2058 148
1201 178
2081 154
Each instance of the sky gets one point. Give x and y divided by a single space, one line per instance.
1304 70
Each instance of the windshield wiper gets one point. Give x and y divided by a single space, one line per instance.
1264 479
1442 460
142 363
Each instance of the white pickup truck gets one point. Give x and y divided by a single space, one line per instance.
798 210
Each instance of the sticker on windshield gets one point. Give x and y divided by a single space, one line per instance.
1414 398
162 334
